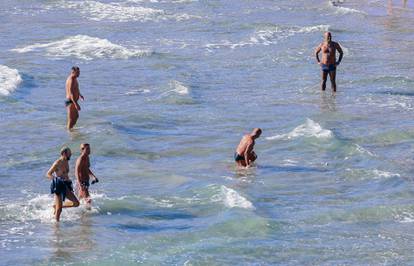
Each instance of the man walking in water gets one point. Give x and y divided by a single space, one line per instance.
61 184
328 63
245 155
83 171
72 96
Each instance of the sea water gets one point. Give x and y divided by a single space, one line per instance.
170 87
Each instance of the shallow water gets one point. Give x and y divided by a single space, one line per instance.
170 88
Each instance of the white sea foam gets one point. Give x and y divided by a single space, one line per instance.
84 47
137 91
179 88
309 129
384 174
405 217
270 35
232 199
9 80
176 88
97 11
340 10
39 207
363 150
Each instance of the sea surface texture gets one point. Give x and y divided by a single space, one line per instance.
170 87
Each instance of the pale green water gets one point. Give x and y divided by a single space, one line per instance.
169 95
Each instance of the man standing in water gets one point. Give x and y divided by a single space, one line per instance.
245 155
61 184
328 63
83 171
72 96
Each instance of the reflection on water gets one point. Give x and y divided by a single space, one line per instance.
328 101
69 240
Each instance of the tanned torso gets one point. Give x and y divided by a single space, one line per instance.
328 53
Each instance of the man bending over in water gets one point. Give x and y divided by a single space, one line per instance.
245 155
72 96
328 63
83 171
61 184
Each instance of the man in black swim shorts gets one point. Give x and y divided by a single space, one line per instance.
244 155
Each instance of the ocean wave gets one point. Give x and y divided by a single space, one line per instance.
137 91
340 10
231 199
39 208
9 80
309 129
268 35
97 11
84 47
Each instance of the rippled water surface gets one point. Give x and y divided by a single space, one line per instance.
170 88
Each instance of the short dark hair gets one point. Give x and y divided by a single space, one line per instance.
75 68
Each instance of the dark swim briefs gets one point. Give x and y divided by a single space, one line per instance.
328 68
68 102
59 186
238 157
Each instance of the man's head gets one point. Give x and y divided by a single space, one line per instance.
256 133
85 148
65 152
327 37
75 71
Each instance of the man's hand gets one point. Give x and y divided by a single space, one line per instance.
78 107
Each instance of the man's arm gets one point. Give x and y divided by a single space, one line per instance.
317 51
52 169
247 152
71 90
78 167
341 53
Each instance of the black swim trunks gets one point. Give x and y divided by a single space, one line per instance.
328 68
68 102
238 157
59 186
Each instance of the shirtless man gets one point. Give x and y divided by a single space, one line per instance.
72 96
245 155
61 184
83 171
328 63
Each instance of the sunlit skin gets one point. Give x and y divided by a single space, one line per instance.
83 172
245 148
73 94
328 62
60 168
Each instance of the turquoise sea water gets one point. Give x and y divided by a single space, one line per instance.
170 88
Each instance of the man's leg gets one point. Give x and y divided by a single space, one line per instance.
73 116
241 163
332 76
324 78
57 207
74 202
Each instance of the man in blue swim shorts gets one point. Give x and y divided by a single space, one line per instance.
328 63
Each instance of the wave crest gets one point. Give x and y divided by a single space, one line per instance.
9 80
309 129
84 47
